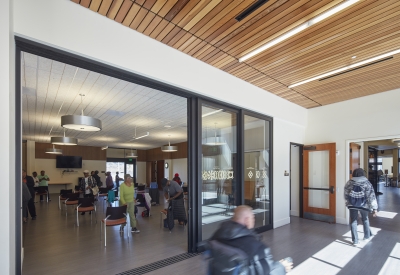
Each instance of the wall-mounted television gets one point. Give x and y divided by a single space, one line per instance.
68 162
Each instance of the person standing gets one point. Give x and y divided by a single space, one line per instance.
109 181
173 193
30 183
97 178
117 179
177 179
238 235
44 181
360 197
26 196
35 179
127 195
87 183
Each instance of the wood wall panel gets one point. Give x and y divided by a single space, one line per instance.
207 30
86 152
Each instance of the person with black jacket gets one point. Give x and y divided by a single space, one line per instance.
237 234
97 178
30 183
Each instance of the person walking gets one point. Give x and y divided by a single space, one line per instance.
235 241
97 178
44 181
86 185
30 183
360 197
117 179
109 181
127 197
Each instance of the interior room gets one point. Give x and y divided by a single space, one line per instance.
269 104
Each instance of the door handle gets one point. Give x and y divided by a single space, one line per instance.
332 189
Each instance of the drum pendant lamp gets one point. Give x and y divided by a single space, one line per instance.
169 148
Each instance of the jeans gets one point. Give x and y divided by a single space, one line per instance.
353 224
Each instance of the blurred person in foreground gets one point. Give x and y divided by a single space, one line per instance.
235 240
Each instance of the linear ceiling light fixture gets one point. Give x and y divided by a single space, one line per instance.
81 122
211 113
299 28
347 68
169 148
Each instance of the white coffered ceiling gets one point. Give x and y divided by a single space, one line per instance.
51 89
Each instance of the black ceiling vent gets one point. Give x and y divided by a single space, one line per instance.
250 9
363 66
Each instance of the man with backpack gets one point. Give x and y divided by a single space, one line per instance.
360 197
236 249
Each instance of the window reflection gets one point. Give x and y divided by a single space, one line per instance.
218 167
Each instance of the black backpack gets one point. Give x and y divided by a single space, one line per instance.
357 195
226 260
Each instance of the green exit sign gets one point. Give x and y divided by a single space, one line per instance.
130 159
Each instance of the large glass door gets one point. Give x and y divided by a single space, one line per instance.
257 170
218 162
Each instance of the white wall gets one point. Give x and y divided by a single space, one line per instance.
387 163
56 175
178 166
295 180
7 151
361 119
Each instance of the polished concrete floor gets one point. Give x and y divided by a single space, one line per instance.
55 245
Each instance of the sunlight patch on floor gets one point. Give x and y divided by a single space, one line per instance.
315 267
337 253
396 251
386 214
391 266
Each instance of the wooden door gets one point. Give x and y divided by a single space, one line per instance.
160 172
319 182
354 157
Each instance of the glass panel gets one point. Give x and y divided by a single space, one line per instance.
318 169
129 170
114 167
256 168
318 198
218 167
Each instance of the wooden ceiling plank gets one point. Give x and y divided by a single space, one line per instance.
167 7
140 2
220 62
325 31
75 1
160 27
165 31
123 11
197 14
114 8
214 14
189 41
185 38
211 56
146 21
158 6
203 52
149 4
95 5
174 36
191 46
184 11
153 24
85 3
235 63
138 18
284 17
195 49
131 15
178 7
105 5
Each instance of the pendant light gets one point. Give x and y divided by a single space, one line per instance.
53 151
169 148
215 140
81 122
64 140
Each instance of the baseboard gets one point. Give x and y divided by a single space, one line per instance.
295 213
282 222
342 220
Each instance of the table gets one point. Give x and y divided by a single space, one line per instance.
60 183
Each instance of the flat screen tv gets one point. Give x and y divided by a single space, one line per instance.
68 162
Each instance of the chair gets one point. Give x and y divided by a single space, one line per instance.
114 216
85 205
141 201
77 188
71 199
42 191
62 196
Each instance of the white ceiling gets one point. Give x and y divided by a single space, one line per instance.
51 89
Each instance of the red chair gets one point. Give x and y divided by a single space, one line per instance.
114 216
85 205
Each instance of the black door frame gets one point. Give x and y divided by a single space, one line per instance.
126 161
194 128
300 177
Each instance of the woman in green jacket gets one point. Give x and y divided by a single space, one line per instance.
127 197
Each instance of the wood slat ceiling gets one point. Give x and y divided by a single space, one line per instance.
208 31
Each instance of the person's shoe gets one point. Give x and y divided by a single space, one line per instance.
34 218
135 230
83 213
355 243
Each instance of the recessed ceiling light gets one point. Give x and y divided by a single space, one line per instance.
354 56
299 28
346 68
